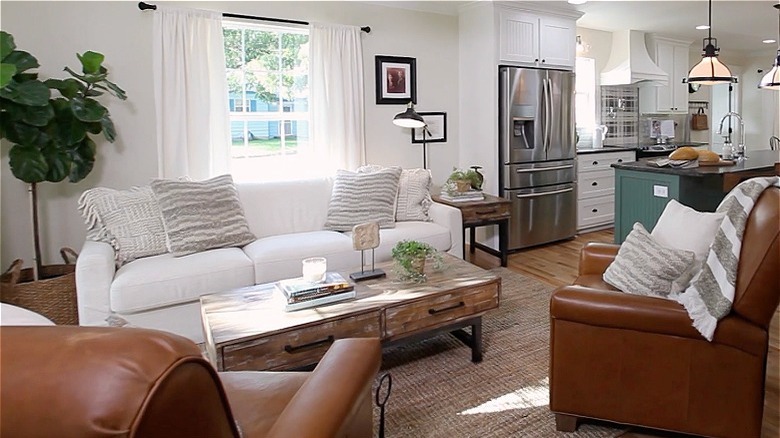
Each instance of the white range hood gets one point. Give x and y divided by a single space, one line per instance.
630 64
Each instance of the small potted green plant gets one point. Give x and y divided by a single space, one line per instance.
465 180
411 256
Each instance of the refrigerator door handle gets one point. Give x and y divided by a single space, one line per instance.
536 195
545 134
542 169
550 110
504 109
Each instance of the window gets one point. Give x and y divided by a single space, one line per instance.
585 99
268 93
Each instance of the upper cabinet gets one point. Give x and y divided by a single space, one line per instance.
536 40
672 57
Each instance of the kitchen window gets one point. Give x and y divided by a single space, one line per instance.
268 94
585 99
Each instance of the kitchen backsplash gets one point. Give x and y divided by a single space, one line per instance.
682 124
619 112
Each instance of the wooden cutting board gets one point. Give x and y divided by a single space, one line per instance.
722 162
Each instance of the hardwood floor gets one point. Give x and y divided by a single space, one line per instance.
557 264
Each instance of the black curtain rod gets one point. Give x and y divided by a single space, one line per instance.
144 6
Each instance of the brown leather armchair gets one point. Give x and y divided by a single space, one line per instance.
69 381
637 360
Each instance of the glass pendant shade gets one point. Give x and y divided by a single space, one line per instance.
409 118
771 80
709 71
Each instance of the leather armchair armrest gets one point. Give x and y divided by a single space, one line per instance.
333 391
623 311
596 256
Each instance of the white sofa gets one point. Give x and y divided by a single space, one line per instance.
163 291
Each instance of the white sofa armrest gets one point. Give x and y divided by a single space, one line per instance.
451 218
95 271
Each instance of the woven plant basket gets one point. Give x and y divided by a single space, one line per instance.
53 296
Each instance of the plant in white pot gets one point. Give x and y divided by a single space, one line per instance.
49 124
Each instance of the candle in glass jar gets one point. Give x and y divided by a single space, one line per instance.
314 269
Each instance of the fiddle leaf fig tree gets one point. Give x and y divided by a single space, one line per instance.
49 123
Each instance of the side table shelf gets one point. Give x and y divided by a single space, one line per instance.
490 211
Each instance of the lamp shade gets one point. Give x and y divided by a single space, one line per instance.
409 118
710 71
771 80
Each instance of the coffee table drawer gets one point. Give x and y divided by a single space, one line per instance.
297 347
439 310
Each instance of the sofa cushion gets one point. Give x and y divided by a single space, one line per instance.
363 197
129 220
285 207
165 280
201 215
279 257
414 193
428 232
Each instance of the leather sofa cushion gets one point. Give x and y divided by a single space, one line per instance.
163 280
259 398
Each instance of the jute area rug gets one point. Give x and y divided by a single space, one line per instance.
438 392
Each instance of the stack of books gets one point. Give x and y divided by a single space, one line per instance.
470 196
302 294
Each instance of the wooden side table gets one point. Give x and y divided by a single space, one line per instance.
490 211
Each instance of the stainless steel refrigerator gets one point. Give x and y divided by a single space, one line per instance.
536 154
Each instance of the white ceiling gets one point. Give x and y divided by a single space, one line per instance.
739 26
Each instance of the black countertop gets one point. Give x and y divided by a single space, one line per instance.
756 160
605 149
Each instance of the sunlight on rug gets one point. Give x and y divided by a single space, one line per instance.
530 397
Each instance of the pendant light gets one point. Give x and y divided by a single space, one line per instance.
709 71
771 80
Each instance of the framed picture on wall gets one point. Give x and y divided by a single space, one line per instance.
437 128
396 80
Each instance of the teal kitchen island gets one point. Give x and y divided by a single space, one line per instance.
642 191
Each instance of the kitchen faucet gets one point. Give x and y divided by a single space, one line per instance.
740 152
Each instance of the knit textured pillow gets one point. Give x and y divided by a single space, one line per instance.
363 197
129 220
414 193
201 215
645 267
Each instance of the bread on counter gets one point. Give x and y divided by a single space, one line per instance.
708 156
684 153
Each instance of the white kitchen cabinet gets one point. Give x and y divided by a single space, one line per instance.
536 40
672 57
596 188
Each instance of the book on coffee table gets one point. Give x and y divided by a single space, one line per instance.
320 301
298 289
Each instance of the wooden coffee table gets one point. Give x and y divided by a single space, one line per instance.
247 328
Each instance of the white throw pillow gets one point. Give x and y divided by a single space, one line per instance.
682 227
363 197
129 220
645 267
414 193
201 215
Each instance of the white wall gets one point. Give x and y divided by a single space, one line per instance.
55 31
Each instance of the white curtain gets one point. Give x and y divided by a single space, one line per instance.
337 109
190 86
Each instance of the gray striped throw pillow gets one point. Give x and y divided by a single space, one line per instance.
201 215
645 267
363 197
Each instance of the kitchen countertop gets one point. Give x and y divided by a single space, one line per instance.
756 161
605 149
638 146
